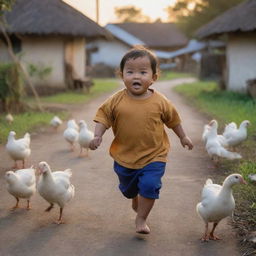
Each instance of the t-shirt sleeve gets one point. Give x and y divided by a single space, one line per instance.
170 117
104 114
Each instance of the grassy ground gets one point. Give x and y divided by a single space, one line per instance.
226 107
169 75
100 86
29 121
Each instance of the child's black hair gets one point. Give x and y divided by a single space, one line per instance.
138 52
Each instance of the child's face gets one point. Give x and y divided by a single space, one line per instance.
138 75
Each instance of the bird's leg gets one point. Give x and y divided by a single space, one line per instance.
212 236
81 150
15 165
205 237
59 221
16 205
49 208
28 205
72 148
23 163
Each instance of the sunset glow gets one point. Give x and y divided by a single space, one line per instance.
154 8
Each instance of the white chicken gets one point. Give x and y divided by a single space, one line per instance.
18 149
9 118
214 147
21 184
252 177
217 203
72 124
55 122
206 130
55 187
229 127
236 136
71 134
85 136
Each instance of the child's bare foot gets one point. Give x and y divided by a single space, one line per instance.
135 203
141 226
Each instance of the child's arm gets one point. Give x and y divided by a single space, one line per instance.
98 133
184 140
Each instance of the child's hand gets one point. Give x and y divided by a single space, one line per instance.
95 142
186 141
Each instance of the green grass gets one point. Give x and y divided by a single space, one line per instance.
168 75
100 86
222 105
26 122
225 107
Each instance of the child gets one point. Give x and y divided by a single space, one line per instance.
137 116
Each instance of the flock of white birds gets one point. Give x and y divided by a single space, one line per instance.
217 201
55 187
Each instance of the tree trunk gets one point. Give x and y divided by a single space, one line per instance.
19 64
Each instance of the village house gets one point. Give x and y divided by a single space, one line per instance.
237 27
50 35
159 37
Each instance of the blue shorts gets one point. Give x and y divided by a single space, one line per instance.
145 181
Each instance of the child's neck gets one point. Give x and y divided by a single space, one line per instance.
143 96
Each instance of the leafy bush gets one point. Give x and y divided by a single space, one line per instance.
11 87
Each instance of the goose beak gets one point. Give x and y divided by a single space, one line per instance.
243 181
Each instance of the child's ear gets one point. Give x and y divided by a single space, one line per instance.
121 74
154 77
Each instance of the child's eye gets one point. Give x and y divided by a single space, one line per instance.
129 72
143 72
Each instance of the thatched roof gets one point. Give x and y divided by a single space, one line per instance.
156 35
50 17
241 18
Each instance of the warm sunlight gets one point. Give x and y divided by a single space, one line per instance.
154 8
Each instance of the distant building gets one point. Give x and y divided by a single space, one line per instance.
159 37
238 26
50 33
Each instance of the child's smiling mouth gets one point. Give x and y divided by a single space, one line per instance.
136 85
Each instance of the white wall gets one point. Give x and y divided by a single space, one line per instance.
47 52
241 60
109 52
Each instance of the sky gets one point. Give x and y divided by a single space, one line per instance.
151 8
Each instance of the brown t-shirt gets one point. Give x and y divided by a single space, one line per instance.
138 127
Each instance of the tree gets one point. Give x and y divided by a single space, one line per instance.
189 16
5 5
130 14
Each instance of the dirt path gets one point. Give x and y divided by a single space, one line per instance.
99 221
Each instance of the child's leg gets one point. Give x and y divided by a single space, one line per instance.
144 207
135 203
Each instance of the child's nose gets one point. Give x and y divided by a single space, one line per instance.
136 75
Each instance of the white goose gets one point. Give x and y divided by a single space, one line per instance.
85 136
72 124
206 131
21 184
55 122
71 133
55 187
9 118
229 127
213 146
217 203
18 149
236 136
